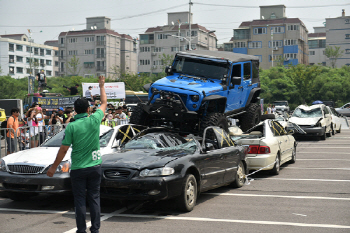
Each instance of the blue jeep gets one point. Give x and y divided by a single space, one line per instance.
203 88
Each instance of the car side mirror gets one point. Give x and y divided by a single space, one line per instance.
168 70
209 146
116 144
236 80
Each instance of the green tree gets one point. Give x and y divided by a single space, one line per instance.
333 53
73 66
166 60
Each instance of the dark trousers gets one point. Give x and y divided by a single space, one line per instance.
86 185
42 137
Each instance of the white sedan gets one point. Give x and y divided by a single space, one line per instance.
23 173
270 146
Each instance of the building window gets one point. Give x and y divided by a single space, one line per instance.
73 40
62 40
157 49
254 44
324 63
89 64
28 60
276 57
347 36
260 30
260 57
240 45
56 53
290 42
48 52
11 47
347 51
11 58
312 52
48 62
89 51
19 59
48 72
145 62
174 49
73 52
277 30
324 52
28 70
89 39
19 70
57 63
288 56
276 43
162 36
29 49
42 62
294 27
19 47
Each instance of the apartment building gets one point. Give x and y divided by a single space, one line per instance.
100 50
317 46
16 52
338 34
274 38
169 39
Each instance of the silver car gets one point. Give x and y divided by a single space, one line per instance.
344 110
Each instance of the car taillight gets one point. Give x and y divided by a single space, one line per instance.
254 149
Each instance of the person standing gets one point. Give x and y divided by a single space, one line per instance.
273 109
41 78
73 90
269 110
41 125
33 130
88 94
83 135
12 123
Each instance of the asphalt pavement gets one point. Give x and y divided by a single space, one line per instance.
311 195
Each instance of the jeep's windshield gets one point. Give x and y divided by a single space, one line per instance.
200 68
302 113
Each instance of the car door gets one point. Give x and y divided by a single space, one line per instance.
235 91
283 140
328 118
212 163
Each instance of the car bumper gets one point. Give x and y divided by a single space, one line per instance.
39 183
261 161
145 188
312 131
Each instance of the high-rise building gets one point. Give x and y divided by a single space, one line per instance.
338 34
317 46
274 38
159 42
100 50
16 52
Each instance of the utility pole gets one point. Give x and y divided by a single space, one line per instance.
189 20
272 45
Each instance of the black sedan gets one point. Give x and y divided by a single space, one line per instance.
158 164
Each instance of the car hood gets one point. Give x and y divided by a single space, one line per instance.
141 158
40 156
188 83
304 121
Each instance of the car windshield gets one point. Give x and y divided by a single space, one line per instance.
56 141
302 113
200 68
279 103
150 142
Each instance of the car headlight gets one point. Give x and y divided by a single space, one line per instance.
2 166
195 98
318 123
63 167
164 171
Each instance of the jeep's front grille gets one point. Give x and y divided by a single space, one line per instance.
25 169
183 97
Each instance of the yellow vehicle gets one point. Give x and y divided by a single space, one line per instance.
2 115
133 97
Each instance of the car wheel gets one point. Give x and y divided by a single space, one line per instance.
251 117
276 169
333 130
14 196
214 119
239 178
329 134
139 116
188 198
294 155
339 130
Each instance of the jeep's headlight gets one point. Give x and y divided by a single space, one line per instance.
63 167
195 98
153 89
2 166
164 171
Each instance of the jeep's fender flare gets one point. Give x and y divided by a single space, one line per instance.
253 95
220 100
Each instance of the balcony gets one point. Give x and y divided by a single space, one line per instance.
61 57
101 68
100 42
101 55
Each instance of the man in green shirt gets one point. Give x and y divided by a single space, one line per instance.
83 135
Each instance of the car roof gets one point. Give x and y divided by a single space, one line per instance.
234 57
306 107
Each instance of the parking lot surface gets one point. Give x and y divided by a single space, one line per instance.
311 195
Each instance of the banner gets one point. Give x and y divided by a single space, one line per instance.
113 90
56 102
31 80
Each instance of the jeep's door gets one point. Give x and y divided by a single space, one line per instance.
235 88
246 82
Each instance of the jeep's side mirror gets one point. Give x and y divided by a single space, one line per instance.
236 80
147 87
168 70
209 146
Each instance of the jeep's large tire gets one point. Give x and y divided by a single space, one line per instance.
251 117
139 116
214 119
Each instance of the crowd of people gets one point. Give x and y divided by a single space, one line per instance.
43 123
271 110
